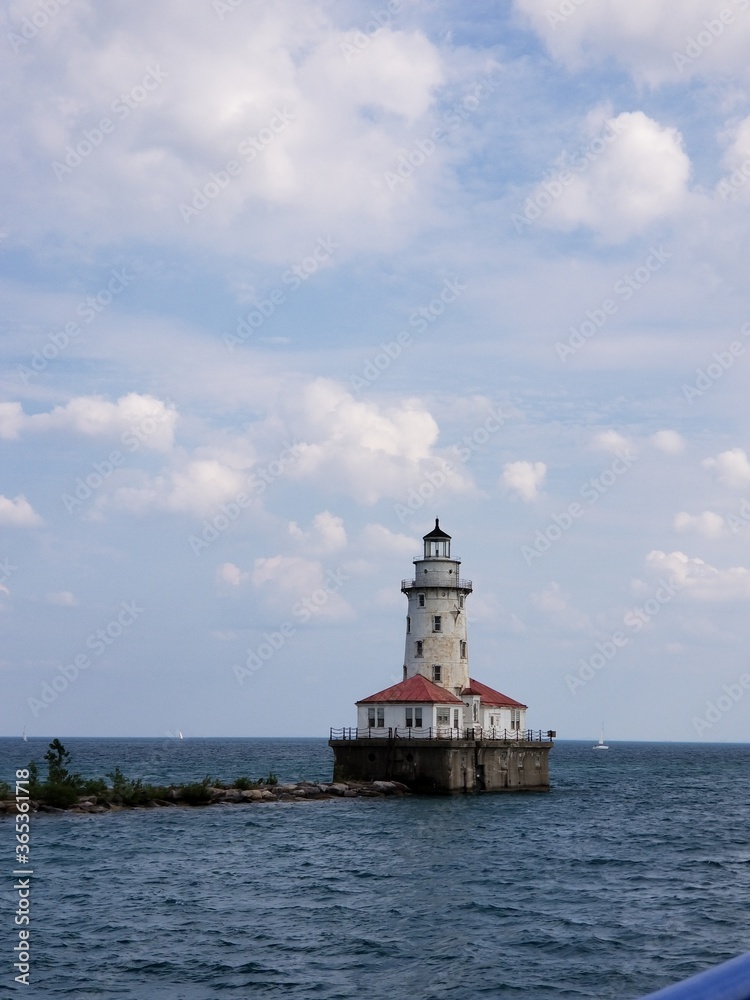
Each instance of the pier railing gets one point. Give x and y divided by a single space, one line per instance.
445 733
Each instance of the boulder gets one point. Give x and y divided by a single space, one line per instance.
386 787
253 794
337 788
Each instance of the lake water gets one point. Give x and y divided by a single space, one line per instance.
633 872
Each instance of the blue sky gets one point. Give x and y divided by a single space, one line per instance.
283 283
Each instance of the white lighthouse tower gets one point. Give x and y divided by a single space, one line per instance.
436 640
439 729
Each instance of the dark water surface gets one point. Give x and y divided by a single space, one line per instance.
633 872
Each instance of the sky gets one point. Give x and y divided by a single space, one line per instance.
282 282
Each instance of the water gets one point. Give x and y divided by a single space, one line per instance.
633 872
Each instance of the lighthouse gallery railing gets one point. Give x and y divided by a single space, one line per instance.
444 733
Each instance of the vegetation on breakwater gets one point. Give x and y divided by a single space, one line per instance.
64 789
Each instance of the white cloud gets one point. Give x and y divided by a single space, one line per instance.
525 478
301 589
639 177
62 598
376 538
613 442
708 524
732 468
651 39
698 579
139 420
18 512
328 533
231 574
670 442
555 603
196 486
11 420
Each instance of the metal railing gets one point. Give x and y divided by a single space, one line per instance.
443 580
444 733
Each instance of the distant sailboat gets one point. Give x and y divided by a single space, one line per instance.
24 737
601 745
179 734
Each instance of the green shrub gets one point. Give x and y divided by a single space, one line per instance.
272 779
59 794
196 794
244 783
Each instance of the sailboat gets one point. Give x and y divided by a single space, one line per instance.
601 745
24 737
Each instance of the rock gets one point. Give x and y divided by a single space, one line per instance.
164 802
400 786
267 796
286 788
337 788
253 795
386 787
350 793
234 795
43 807
300 793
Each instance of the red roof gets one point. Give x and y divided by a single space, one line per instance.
417 689
489 696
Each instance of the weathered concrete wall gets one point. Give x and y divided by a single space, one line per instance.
433 766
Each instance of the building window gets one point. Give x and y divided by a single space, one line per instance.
420 600
371 718
408 624
418 644
455 718
444 717
437 623
515 718
417 718
475 712
437 672
409 718
461 601
381 718
463 649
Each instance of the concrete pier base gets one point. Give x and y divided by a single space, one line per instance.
437 766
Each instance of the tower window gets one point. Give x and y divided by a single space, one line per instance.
419 645
461 600
437 672
463 649
404 671
437 621
420 599
408 624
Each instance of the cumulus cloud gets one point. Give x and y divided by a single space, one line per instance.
376 538
614 442
232 575
196 486
301 588
555 604
62 598
11 420
654 40
639 175
328 533
698 579
708 524
732 468
669 442
524 478
18 512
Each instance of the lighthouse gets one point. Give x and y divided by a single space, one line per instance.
439 729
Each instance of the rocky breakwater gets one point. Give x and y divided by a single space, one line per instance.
208 795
